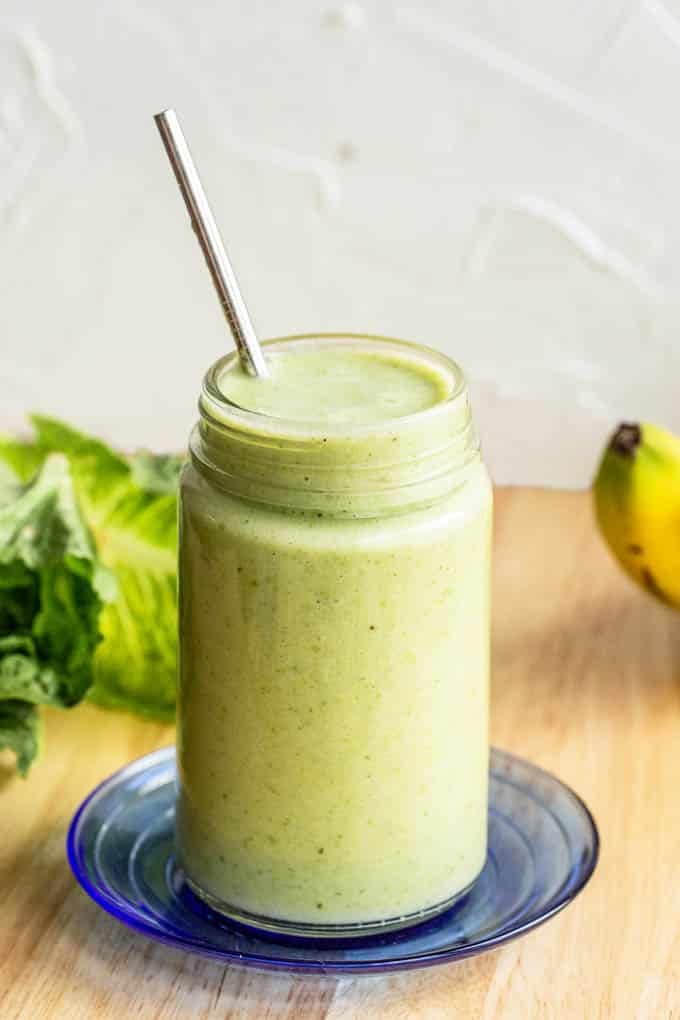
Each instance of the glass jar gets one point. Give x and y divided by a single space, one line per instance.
334 659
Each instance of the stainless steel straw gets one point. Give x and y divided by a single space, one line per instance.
205 228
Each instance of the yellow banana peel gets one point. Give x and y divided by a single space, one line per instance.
637 504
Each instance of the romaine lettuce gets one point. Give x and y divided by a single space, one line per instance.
52 591
130 505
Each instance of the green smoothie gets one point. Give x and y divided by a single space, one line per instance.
334 636
337 386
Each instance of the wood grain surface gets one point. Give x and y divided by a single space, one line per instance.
586 683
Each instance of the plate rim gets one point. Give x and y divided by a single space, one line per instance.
430 958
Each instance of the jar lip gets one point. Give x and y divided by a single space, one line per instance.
224 411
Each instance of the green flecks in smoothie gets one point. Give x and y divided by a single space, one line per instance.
337 386
316 706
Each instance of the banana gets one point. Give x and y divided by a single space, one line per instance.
637 504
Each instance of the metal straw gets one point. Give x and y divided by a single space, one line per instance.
205 228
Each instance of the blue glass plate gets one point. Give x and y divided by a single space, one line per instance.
543 848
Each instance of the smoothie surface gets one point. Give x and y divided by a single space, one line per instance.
337 385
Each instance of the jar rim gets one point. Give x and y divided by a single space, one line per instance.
224 411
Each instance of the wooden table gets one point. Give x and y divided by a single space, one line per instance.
586 683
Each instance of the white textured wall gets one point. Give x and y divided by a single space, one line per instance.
498 179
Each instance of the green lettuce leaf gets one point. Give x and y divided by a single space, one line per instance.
130 504
21 732
20 460
52 590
